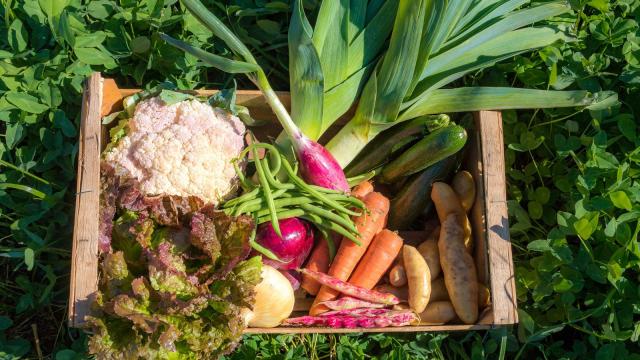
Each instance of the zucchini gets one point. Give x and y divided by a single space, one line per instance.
393 141
432 148
415 196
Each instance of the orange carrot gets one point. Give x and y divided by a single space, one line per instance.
361 190
368 225
384 248
318 261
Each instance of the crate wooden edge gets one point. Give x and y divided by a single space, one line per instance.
502 282
84 252
500 256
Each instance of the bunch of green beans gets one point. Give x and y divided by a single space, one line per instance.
270 199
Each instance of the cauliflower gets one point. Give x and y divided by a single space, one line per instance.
181 149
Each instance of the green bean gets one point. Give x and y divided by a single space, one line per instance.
353 181
244 197
282 215
293 177
348 199
280 204
246 206
331 246
261 249
320 222
244 182
329 216
267 192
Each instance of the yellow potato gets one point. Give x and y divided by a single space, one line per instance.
418 278
401 293
446 201
401 306
459 269
465 187
468 239
397 275
429 250
438 291
436 313
484 296
486 317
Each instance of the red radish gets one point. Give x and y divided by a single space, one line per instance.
318 166
292 248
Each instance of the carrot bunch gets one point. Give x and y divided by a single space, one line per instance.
360 265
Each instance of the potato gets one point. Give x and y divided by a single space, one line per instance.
401 293
446 201
459 269
401 306
468 239
486 317
397 275
484 296
429 250
465 187
418 278
438 291
436 313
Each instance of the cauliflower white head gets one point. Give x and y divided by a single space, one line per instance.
182 149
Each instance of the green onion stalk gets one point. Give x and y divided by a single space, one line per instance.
317 165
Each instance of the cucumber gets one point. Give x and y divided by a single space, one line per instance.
432 148
393 141
415 196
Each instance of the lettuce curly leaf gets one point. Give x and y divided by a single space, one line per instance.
175 279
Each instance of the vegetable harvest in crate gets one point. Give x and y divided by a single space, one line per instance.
207 229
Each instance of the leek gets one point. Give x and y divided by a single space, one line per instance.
457 37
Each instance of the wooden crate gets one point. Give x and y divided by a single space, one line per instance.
485 160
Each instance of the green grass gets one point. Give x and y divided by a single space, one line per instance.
574 193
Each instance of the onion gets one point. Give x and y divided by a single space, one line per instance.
292 248
274 300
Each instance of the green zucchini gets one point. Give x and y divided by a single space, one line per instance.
393 141
432 148
415 196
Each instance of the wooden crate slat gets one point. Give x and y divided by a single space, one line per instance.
84 260
403 329
503 288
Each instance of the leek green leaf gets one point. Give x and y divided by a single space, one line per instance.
214 24
334 53
493 98
305 73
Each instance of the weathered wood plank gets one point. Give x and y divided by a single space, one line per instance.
503 288
84 253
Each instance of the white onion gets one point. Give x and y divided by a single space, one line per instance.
274 300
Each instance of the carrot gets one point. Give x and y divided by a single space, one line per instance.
318 261
368 225
384 248
361 190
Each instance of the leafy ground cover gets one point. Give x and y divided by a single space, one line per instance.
574 188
